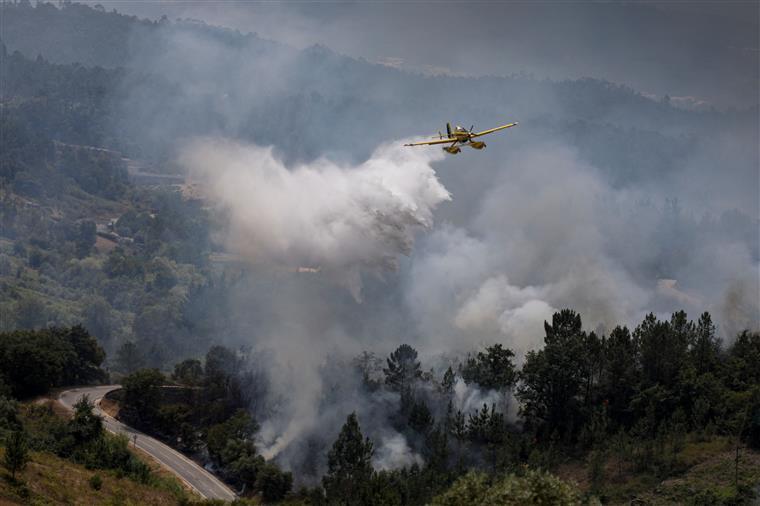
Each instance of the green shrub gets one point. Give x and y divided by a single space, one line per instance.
534 487
96 482
273 483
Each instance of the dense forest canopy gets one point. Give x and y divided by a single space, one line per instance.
189 206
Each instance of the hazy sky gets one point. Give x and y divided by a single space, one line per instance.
705 50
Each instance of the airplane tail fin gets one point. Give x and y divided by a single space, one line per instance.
448 129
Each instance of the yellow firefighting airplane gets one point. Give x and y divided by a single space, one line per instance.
461 136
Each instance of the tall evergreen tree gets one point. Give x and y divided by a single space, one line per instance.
403 368
552 379
447 384
349 466
744 355
620 375
420 418
493 369
458 429
593 366
705 351
662 349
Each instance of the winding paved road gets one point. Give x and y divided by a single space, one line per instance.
200 480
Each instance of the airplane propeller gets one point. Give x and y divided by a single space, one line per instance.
473 126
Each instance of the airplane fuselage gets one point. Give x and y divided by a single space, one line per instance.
463 137
460 134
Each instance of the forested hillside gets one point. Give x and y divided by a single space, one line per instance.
307 101
424 375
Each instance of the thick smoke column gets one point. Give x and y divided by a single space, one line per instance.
340 220
549 233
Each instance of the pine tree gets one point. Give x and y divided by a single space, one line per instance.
403 368
349 466
16 452
458 429
437 449
420 418
706 348
495 436
447 384
493 369
553 379
477 425
620 375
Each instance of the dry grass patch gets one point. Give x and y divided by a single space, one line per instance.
48 479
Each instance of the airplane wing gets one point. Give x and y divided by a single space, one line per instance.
486 132
436 141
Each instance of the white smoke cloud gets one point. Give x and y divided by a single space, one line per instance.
520 323
501 308
299 385
342 220
550 234
394 452
469 398
335 221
